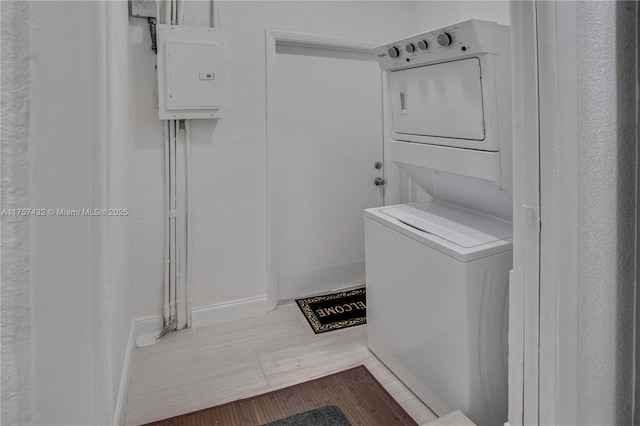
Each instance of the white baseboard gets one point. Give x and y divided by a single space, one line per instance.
318 281
118 418
147 330
228 311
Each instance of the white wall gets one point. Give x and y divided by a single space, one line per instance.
229 156
16 293
434 14
63 252
146 176
75 343
607 141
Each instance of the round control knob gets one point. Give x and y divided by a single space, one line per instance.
393 52
422 45
444 39
410 48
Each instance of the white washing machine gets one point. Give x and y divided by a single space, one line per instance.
437 272
436 304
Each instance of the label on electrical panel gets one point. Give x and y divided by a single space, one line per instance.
206 76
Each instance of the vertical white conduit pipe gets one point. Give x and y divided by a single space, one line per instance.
172 221
167 207
181 226
167 11
187 126
185 309
158 17
212 15
166 310
180 8
169 311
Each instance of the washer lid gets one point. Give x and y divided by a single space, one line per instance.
463 227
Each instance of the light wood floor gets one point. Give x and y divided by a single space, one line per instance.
354 392
203 367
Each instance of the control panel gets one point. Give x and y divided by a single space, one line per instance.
465 39
190 72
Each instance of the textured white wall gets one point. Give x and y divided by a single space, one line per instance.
66 310
16 292
606 207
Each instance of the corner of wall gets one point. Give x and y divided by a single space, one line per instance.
123 390
147 330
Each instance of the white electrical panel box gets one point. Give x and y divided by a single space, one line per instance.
190 72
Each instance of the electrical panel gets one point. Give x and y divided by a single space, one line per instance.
190 72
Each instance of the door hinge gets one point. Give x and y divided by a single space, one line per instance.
532 217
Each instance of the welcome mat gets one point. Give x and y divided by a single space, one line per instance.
335 311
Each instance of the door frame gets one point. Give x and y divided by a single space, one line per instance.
543 321
524 280
274 38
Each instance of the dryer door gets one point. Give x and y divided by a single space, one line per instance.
441 100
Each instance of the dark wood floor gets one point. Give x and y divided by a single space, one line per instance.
358 394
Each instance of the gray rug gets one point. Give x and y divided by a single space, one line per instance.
329 415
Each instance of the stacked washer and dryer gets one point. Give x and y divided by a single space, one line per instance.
437 272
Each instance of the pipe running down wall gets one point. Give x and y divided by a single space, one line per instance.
177 178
